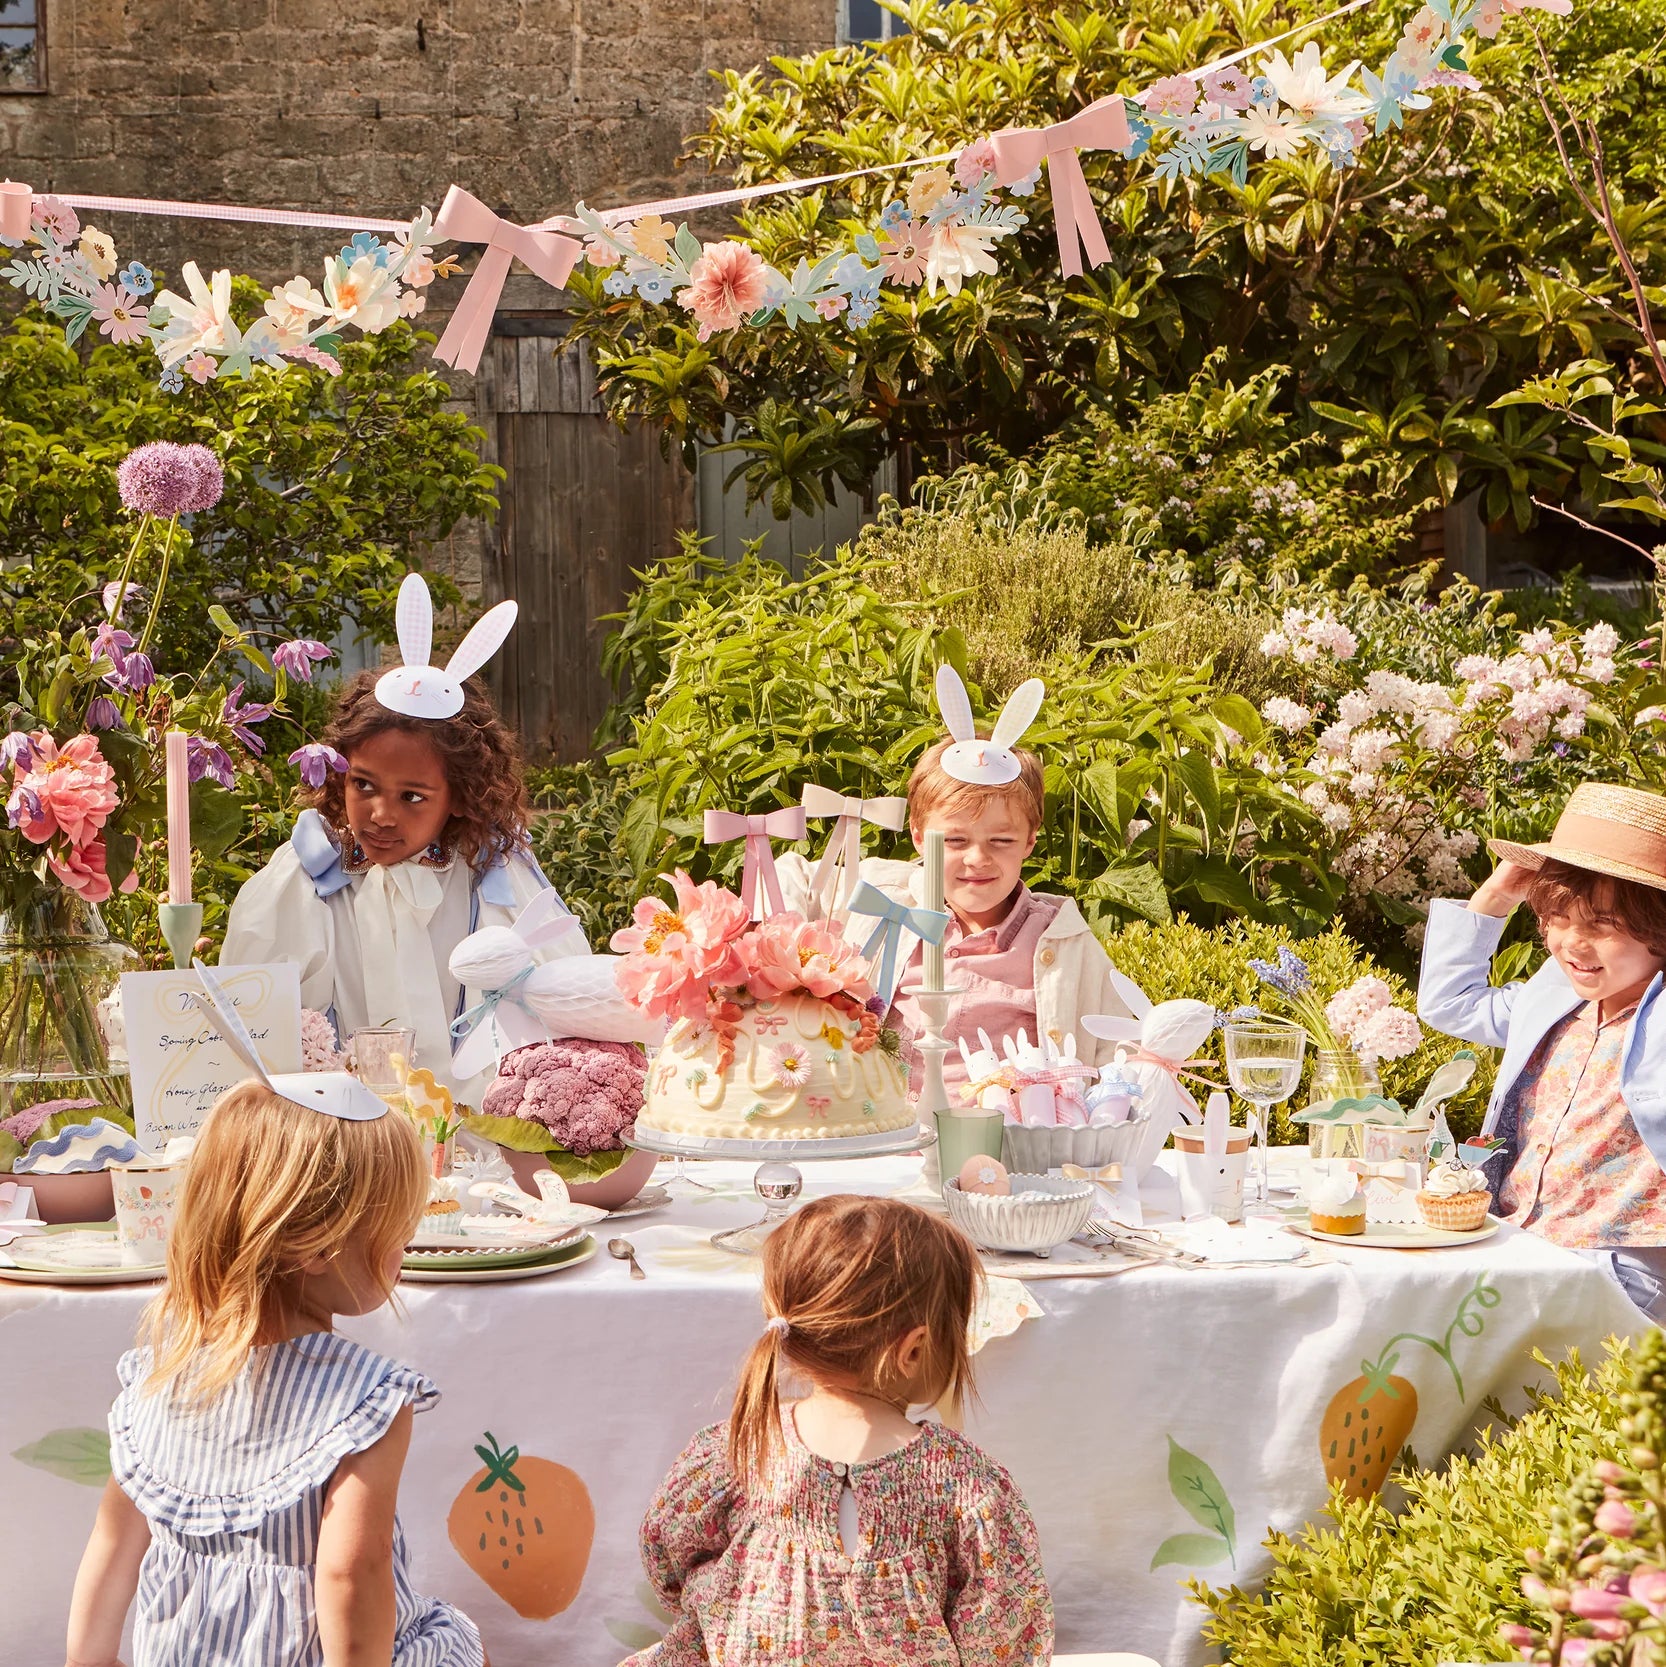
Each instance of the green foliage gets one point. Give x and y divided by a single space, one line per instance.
1183 960
575 837
1434 1581
333 486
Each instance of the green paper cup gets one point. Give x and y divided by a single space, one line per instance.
960 1138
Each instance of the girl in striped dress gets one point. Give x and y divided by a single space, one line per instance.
256 1454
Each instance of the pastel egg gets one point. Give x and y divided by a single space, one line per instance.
986 1175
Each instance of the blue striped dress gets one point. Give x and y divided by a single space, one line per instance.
234 1495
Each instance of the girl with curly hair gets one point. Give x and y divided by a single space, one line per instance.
417 838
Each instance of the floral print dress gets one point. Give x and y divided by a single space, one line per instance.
945 1572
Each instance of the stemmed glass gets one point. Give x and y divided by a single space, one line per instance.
1264 1063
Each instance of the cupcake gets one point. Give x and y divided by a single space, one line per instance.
444 1213
1455 1198
1336 1205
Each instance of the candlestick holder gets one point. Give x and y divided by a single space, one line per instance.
181 927
933 1101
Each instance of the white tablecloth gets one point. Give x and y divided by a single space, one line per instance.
1161 1417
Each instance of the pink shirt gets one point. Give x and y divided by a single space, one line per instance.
998 965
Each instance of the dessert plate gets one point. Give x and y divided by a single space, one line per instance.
75 1253
1400 1236
550 1261
650 1198
458 1252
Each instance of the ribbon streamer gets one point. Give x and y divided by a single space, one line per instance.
465 219
757 831
886 939
1176 1068
486 1008
836 875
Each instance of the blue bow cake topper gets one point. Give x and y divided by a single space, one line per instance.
885 941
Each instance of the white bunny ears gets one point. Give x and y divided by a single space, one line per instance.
985 763
335 1093
420 690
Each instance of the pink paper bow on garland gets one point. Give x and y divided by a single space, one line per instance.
1019 152
465 219
836 874
757 831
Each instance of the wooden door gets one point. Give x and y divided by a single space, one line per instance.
582 505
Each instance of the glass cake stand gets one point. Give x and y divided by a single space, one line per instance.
778 1181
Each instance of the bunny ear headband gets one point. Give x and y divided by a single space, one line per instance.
335 1093
985 763
421 690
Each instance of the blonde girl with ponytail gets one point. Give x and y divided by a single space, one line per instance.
256 1454
833 1529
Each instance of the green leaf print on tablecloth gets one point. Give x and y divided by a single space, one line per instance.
636 1635
81 1456
1204 1500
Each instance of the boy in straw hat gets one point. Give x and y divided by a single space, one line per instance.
1580 1100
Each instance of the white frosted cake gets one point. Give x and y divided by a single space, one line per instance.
796 1075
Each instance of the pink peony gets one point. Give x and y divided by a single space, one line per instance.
675 956
974 162
790 953
82 869
1173 95
585 1093
69 790
728 285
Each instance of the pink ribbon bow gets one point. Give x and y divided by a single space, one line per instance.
757 831
1176 1068
1020 150
465 219
836 874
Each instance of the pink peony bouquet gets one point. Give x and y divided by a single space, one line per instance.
1364 1017
586 1094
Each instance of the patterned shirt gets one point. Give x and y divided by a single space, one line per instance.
998 967
1582 1176
943 1570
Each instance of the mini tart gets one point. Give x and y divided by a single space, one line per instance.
1345 1219
1463 1212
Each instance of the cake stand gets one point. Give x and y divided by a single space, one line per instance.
778 1181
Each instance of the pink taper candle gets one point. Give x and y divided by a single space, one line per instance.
179 816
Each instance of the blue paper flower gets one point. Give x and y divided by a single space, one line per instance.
619 282
894 217
1140 131
136 277
1025 186
366 243
1262 91
170 381
655 286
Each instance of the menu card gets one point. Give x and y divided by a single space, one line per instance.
179 1064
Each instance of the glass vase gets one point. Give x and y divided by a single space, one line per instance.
1339 1074
59 969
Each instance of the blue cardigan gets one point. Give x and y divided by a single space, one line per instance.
1454 995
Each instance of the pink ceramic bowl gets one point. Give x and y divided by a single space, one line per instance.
90 1196
606 1194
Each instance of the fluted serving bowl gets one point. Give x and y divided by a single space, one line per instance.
1042 1212
1036 1150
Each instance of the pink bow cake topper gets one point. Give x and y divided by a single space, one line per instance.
759 859
465 219
836 874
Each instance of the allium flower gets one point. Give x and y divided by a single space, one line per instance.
70 790
586 1094
315 761
790 1064
727 286
166 479
238 718
297 657
206 759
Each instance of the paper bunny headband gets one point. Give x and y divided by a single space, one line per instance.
335 1093
985 763
420 690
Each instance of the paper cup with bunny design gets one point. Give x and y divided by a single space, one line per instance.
147 1196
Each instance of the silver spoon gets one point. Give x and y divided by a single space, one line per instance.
622 1250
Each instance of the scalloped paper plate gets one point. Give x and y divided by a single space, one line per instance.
550 1262
459 1253
1398 1236
73 1253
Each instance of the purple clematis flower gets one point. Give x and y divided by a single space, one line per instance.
205 759
102 713
17 752
315 761
111 643
112 593
238 718
134 673
297 657
23 806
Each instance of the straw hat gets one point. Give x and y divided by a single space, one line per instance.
1620 831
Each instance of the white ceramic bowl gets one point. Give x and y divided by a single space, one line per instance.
1042 1212
1033 1151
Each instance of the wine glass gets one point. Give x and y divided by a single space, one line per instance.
1264 1063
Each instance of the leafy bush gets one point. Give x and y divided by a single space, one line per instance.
1433 1582
1183 960
578 810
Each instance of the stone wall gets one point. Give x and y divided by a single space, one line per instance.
376 106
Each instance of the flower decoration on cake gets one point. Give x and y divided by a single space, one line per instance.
792 1066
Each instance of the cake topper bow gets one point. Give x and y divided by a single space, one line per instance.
836 875
985 763
885 941
418 689
759 860
335 1093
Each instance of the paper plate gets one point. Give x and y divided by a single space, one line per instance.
1399 1236
459 1253
73 1253
551 1262
650 1198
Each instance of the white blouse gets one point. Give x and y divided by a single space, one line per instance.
373 946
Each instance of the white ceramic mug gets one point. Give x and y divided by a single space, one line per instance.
146 1199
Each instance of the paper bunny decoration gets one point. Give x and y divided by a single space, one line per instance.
525 999
334 1093
992 762
418 689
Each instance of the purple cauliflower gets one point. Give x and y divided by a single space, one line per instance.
585 1093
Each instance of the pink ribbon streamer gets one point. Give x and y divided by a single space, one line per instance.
463 218
1176 1068
1019 151
757 831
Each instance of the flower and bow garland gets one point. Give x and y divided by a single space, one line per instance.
943 230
